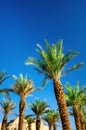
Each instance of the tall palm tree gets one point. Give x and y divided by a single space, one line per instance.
29 120
23 88
39 108
52 64
75 97
7 107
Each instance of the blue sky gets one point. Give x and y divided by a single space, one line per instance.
24 23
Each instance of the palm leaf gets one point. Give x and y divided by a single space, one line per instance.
75 67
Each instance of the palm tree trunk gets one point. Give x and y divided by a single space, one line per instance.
21 112
50 127
38 123
4 122
85 126
29 127
77 118
82 122
59 94
54 126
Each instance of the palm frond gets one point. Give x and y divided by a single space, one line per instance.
75 67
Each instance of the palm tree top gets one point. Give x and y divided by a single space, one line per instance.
39 107
7 106
75 95
22 86
51 116
53 60
29 119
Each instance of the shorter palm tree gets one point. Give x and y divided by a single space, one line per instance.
23 88
51 117
29 120
48 119
39 108
74 98
7 107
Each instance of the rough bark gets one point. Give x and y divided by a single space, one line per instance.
85 126
38 123
50 127
82 121
59 94
21 112
4 122
29 127
54 126
77 118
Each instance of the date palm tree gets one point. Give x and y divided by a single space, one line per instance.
7 107
29 120
39 108
48 119
75 97
23 88
52 64
51 117
56 117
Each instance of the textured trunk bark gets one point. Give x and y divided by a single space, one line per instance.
29 127
50 127
21 112
82 122
77 118
4 122
59 94
38 123
54 126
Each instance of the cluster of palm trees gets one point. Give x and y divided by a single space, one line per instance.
51 64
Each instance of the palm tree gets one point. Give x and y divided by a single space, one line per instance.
49 120
52 63
75 97
55 115
51 117
7 107
23 88
29 120
39 108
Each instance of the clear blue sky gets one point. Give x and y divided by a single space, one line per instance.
24 23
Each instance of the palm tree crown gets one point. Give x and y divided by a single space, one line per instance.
39 107
75 95
53 60
7 106
23 86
